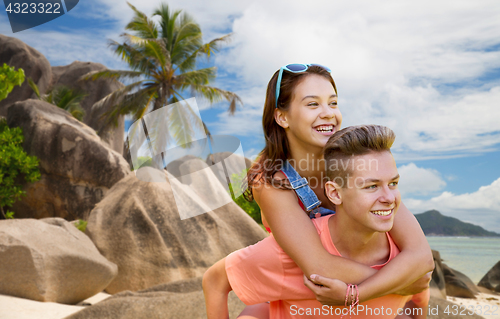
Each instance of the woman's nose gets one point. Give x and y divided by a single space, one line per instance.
327 111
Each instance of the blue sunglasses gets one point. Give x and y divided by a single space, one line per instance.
295 68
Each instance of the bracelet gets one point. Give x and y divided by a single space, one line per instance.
352 303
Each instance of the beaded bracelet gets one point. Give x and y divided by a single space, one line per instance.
353 303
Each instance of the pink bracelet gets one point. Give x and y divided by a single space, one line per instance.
353 303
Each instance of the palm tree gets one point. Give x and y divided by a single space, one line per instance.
162 57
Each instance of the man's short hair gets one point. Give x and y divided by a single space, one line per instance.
353 141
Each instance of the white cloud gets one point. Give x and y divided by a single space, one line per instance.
419 181
390 63
481 207
248 119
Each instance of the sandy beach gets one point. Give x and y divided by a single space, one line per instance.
486 305
20 308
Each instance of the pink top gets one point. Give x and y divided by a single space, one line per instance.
264 272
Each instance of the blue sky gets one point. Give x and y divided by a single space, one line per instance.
430 70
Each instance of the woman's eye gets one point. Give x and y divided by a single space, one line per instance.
313 104
371 187
334 103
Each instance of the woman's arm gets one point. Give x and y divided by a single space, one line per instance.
414 261
297 236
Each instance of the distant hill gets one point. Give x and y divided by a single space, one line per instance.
433 223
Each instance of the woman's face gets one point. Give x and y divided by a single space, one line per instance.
313 115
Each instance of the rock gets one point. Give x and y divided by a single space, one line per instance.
437 284
50 260
16 53
458 284
234 164
77 169
137 226
450 282
174 166
70 75
180 299
491 280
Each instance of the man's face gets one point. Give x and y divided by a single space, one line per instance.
371 197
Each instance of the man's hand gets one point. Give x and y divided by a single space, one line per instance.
328 291
416 287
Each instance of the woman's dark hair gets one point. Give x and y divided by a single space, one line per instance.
276 151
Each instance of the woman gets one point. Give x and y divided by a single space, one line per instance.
300 114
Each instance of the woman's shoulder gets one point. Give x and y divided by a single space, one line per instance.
265 185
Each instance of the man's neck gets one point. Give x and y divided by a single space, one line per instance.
356 242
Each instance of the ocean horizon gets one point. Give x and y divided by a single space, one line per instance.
473 256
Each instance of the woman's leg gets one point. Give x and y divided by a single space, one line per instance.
258 311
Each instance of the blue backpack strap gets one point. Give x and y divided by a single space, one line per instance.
301 187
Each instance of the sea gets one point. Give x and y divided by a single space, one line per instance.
472 256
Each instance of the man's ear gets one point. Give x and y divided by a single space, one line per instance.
332 191
280 118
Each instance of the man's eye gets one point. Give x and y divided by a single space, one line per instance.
394 184
371 187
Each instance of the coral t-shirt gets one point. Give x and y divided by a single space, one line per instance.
264 272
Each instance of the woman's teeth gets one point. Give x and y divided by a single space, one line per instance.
382 212
324 128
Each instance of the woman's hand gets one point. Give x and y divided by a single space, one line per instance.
328 291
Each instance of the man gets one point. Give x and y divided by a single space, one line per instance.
362 183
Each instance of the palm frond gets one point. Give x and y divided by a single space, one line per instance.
116 75
180 126
134 103
214 95
141 25
67 98
167 23
134 56
206 49
34 87
214 45
195 77
117 96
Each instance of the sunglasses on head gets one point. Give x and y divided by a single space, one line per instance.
294 68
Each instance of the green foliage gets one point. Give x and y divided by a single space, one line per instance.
9 215
9 78
81 224
251 208
14 162
143 161
62 97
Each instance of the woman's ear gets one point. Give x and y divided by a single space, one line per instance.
332 191
280 118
